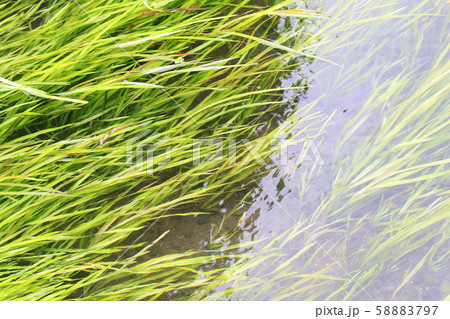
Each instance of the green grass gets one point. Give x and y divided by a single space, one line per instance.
69 75
72 71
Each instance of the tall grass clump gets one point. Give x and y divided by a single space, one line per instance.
80 79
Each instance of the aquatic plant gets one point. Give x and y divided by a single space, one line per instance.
381 231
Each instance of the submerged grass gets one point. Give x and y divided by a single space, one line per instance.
78 79
382 231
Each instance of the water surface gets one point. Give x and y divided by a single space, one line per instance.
373 45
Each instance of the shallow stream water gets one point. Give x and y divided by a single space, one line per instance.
369 43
